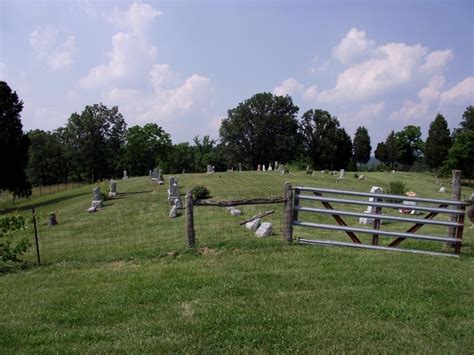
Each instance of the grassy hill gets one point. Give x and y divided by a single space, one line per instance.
121 279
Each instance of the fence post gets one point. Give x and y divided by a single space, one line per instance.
378 210
190 235
455 196
36 235
288 214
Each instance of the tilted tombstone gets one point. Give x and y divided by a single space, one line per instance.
253 225
173 212
371 209
265 230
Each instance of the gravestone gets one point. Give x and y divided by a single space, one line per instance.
470 211
96 197
265 230
409 203
259 167
149 173
341 173
240 167
253 225
442 189
209 169
371 209
52 219
213 169
173 212
263 168
275 166
125 176
155 176
270 167
112 188
234 211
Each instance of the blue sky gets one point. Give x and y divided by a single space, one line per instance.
378 64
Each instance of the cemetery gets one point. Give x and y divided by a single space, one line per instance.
131 239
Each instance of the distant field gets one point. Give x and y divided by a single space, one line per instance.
122 280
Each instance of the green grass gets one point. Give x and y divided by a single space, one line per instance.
121 280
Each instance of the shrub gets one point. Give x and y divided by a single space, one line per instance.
10 251
397 188
200 192
356 175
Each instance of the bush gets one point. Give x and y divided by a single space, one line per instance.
10 251
200 193
356 175
397 188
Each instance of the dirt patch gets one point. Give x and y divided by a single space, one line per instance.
206 251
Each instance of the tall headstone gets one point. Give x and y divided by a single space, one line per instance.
112 188
125 176
96 197
240 167
259 167
370 209
150 173
270 167
263 168
341 173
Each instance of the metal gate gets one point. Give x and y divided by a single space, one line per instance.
378 202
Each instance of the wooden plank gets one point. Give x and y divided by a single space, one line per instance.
414 228
288 214
190 234
261 215
254 201
340 221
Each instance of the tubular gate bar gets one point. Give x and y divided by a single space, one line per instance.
450 207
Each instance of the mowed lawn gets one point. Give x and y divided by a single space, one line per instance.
122 280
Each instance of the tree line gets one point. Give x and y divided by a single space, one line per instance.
97 144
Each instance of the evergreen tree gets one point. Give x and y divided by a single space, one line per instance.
13 144
438 143
362 147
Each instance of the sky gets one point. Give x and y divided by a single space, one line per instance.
183 64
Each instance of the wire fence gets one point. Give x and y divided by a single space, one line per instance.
136 223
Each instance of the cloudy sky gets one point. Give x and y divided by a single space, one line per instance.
183 64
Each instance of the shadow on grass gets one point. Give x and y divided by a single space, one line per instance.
31 204
135 192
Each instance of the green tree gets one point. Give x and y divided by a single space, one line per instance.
325 143
438 143
13 144
261 129
467 122
387 152
95 141
46 162
204 153
146 147
362 147
181 157
461 155
409 145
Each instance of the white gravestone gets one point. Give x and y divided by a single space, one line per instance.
270 167
96 197
371 209
113 188
125 176
263 168
265 230
240 167
442 189
253 225
341 173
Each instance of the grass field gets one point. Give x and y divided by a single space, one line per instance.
121 280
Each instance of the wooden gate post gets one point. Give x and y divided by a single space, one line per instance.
190 235
455 196
288 214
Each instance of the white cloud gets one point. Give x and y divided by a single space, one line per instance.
425 107
352 46
145 90
288 87
311 93
392 65
56 50
436 61
461 93
364 116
